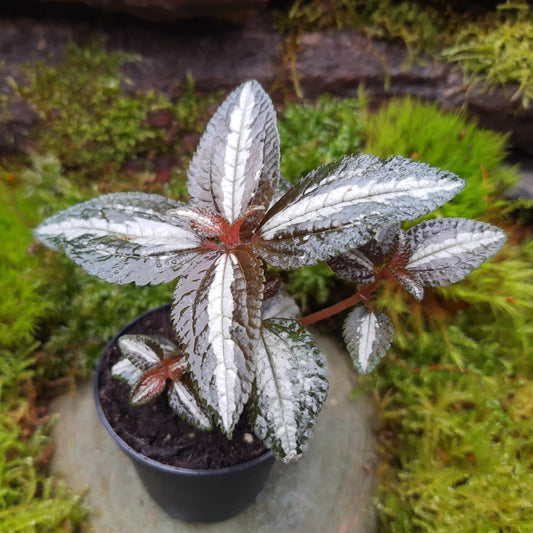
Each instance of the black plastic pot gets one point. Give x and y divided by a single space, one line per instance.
191 495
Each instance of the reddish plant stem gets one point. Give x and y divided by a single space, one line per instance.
362 295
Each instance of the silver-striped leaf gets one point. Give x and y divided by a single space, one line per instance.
342 205
368 336
236 164
124 237
146 351
184 402
216 314
290 387
446 250
409 282
124 370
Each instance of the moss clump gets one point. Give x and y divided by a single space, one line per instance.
419 25
492 44
455 404
498 51
446 140
315 134
93 122
29 499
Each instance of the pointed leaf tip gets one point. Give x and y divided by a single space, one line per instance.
123 238
236 163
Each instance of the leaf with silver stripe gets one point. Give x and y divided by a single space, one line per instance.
216 315
446 250
126 371
290 387
124 237
342 205
359 265
236 164
185 404
368 336
146 351
353 265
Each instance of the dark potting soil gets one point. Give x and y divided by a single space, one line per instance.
156 431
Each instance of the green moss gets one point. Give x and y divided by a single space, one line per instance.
449 141
417 24
455 404
29 500
499 51
462 454
94 123
314 134
89 122
494 47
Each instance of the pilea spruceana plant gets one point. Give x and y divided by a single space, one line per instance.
241 343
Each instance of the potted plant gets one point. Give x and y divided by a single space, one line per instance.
231 350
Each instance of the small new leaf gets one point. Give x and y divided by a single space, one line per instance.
126 371
151 385
368 336
444 251
290 388
146 351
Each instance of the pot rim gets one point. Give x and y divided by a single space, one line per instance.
134 454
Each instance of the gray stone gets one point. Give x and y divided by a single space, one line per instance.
330 489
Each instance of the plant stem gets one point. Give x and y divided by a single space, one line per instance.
362 295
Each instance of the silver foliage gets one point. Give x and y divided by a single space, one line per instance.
342 205
446 250
236 164
123 238
216 315
143 353
126 371
146 351
185 404
368 336
290 387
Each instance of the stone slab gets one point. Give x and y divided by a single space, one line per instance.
329 490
